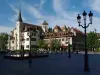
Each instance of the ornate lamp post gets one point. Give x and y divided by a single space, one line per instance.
86 66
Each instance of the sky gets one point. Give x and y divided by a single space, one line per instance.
55 12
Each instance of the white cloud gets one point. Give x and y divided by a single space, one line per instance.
61 18
58 8
13 18
5 29
42 3
36 13
14 8
95 25
95 5
31 9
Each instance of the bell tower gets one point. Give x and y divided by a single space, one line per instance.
19 26
45 26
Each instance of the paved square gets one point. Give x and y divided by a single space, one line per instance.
55 64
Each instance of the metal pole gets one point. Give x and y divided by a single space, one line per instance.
69 51
86 66
69 55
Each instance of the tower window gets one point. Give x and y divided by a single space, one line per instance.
12 41
27 46
27 39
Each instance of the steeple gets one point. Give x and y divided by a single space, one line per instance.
45 23
19 16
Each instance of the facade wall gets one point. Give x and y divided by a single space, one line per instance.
63 40
27 42
77 40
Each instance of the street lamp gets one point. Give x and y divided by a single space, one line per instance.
86 66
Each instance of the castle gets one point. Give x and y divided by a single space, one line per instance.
20 35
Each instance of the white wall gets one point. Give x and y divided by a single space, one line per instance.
32 42
66 39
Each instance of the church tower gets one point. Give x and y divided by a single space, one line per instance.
45 26
19 26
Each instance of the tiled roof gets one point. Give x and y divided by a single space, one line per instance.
58 34
77 30
63 27
57 27
27 25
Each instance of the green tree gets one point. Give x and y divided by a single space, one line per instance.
92 40
40 43
3 40
50 29
55 44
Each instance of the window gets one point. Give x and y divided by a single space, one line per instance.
62 39
66 42
27 46
34 34
12 41
67 39
27 39
33 39
33 46
28 34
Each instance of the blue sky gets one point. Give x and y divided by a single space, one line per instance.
55 12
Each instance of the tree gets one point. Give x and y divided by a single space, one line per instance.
3 40
55 44
40 43
92 40
50 29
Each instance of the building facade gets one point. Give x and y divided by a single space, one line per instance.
23 33
20 36
66 36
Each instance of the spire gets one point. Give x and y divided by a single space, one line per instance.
19 16
45 23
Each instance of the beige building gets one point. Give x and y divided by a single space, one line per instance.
66 36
